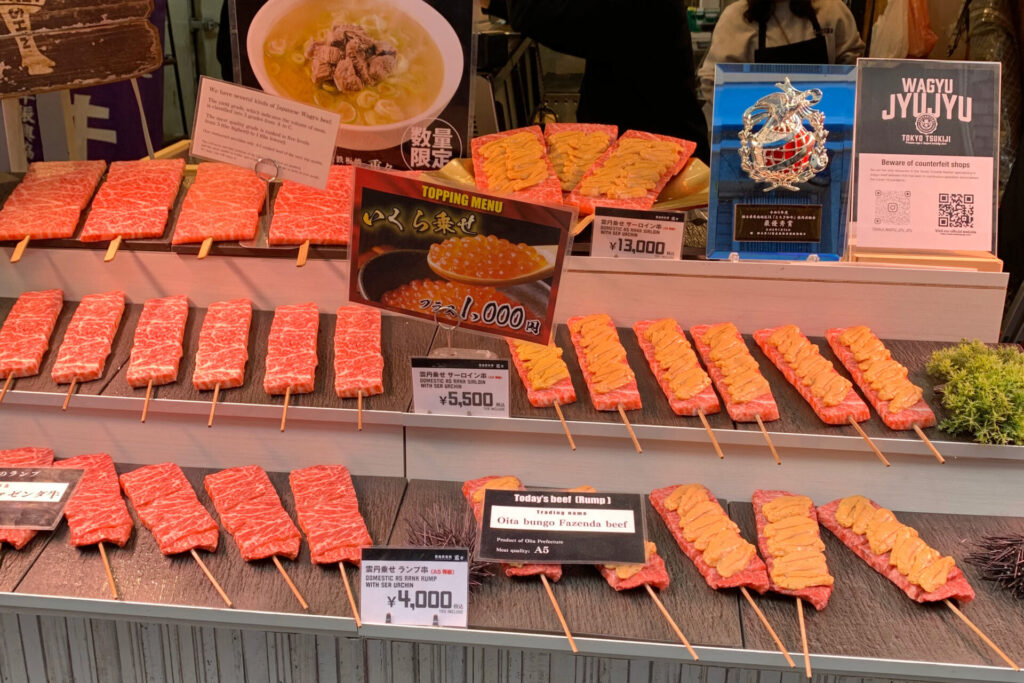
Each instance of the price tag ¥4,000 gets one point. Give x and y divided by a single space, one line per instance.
628 233
460 386
415 586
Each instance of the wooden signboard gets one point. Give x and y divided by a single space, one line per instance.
56 44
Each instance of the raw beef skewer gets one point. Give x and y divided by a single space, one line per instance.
358 362
291 353
897 552
96 513
545 376
134 202
223 348
169 508
899 402
473 492
606 371
675 366
328 512
304 215
788 536
223 203
251 511
25 335
48 202
88 339
157 348
712 541
830 394
23 457
737 376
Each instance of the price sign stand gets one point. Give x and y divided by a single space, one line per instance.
415 586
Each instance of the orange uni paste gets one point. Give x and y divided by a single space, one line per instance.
676 359
634 169
514 162
813 369
798 553
740 372
886 376
572 152
705 524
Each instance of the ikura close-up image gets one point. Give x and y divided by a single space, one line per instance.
519 341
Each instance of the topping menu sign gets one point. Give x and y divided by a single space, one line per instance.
926 151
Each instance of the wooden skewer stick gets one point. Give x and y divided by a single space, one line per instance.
711 434
671 621
299 262
115 244
71 390
7 385
19 249
359 414
204 250
870 442
803 636
768 626
632 434
213 404
149 395
924 437
110 574
977 631
213 581
351 598
565 425
558 612
284 413
288 580
771 446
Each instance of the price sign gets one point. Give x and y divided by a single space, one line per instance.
34 497
625 233
563 527
415 586
460 386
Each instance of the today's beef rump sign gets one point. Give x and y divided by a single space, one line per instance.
396 71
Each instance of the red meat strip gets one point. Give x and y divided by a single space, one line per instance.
49 200
628 395
251 511
291 350
157 349
561 391
328 512
223 345
88 339
96 511
754 575
552 571
23 457
816 595
851 405
706 400
919 414
548 190
956 586
653 574
223 203
358 363
25 335
763 406
304 213
134 201
167 505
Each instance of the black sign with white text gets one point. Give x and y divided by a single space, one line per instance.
563 527
777 223
34 497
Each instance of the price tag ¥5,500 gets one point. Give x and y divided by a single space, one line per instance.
415 586
460 386
628 233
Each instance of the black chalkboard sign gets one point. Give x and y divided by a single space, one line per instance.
34 497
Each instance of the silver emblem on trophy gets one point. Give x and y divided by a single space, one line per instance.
789 146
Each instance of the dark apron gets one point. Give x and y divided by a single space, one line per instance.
813 51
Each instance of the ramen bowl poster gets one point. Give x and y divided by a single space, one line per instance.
447 255
396 71
781 155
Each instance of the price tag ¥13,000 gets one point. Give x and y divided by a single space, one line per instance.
460 386
628 233
415 586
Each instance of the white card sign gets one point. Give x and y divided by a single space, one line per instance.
239 125
415 586
627 233
460 386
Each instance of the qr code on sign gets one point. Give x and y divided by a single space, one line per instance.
956 210
892 208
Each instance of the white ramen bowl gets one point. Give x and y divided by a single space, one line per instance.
385 135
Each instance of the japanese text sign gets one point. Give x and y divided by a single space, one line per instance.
460 386
415 586
34 497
